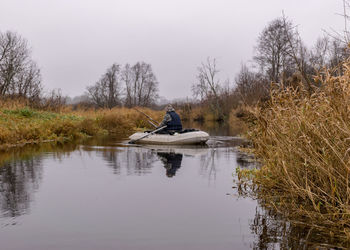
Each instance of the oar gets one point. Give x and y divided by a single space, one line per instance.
150 118
151 133
154 125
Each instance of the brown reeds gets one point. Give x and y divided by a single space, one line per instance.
303 141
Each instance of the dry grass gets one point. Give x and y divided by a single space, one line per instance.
199 114
238 125
20 124
304 143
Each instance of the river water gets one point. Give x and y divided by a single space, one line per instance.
106 194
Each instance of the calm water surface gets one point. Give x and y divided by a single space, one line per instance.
104 194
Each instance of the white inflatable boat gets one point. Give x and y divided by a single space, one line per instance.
186 138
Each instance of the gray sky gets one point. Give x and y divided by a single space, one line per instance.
74 41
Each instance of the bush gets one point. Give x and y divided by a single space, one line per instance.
89 127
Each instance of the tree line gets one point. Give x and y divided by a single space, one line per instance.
280 58
20 77
126 85
19 74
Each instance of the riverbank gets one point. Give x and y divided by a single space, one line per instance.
303 143
21 125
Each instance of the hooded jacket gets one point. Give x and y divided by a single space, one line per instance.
175 123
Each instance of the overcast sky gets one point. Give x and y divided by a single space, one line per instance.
74 41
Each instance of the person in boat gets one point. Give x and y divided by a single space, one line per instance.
171 120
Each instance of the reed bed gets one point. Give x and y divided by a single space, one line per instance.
197 114
303 141
20 124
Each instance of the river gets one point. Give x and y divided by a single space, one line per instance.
106 194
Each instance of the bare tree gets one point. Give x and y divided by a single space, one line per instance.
298 52
141 85
273 52
53 100
344 36
339 44
127 77
106 93
29 82
319 53
329 52
208 86
251 86
19 75
338 53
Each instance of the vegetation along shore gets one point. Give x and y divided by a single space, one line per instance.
20 124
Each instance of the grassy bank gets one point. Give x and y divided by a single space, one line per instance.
20 124
304 143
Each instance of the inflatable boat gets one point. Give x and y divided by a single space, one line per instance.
186 137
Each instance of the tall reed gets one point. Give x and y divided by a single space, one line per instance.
304 143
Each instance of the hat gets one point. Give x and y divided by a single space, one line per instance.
169 108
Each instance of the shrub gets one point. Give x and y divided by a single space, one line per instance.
89 127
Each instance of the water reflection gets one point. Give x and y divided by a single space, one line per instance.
22 173
21 170
208 164
171 161
18 182
275 232
136 160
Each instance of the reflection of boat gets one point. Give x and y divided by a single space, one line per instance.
189 150
192 137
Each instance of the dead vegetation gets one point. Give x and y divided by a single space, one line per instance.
304 143
20 124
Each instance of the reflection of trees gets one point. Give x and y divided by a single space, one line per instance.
137 161
18 181
275 232
245 160
272 229
111 156
207 164
268 228
141 160
21 171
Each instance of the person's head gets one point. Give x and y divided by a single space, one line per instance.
169 108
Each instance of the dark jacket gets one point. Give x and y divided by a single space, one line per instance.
175 123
